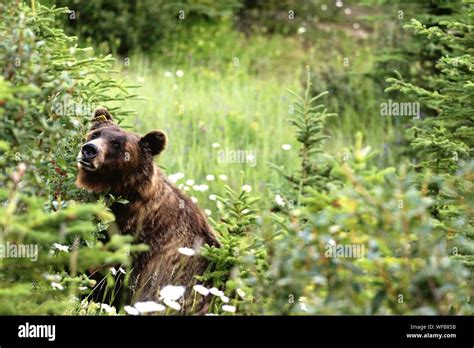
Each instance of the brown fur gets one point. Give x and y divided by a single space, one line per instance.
158 213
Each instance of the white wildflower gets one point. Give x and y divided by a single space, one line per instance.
227 308
194 199
279 200
210 177
190 182
223 177
175 177
172 292
131 310
216 292
247 188
215 145
302 300
179 73
286 147
121 270
172 304
148 307
113 270
57 286
225 299
301 30
200 188
212 197
105 307
208 212
168 74
241 293
61 247
201 289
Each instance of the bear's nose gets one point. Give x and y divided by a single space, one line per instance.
89 151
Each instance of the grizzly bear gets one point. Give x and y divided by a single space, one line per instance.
158 214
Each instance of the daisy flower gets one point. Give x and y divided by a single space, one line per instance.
216 292
172 292
228 308
201 289
148 307
246 188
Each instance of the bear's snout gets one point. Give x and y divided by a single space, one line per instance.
89 151
91 155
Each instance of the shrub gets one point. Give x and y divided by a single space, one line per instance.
367 246
47 88
122 26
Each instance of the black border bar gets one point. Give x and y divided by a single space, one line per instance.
260 330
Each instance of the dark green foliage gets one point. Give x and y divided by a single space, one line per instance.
444 143
48 89
401 51
445 139
123 26
398 254
286 16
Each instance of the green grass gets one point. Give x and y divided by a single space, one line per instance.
233 92
236 112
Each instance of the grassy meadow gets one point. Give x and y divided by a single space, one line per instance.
230 92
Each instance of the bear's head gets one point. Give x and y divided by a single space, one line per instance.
112 158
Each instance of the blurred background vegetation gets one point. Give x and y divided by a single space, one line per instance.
214 76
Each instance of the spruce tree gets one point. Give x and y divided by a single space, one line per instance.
443 143
308 117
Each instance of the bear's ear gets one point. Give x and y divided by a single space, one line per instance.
101 115
155 141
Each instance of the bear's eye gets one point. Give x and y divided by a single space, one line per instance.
116 145
95 135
